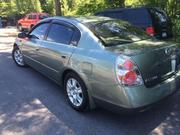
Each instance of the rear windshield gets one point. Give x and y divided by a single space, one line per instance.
116 32
159 15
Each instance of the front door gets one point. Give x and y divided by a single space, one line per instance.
30 45
56 50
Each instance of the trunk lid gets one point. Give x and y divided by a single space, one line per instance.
157 61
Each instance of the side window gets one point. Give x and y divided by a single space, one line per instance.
158 16
40 31
29 16
34 16
60 34
76 37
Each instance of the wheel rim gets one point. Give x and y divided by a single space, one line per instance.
18 57
74 92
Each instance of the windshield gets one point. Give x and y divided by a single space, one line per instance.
115 32
159 15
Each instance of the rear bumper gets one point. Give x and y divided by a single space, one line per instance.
122 110
140 97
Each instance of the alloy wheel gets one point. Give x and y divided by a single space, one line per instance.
74 92
18 57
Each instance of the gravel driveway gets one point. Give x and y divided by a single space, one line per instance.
30 104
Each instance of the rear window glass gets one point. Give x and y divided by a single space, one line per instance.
115 32
158 15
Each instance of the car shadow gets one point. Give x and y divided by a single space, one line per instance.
32 104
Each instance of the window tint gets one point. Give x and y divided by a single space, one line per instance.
60 34
33 16
115 32
158 15
39 31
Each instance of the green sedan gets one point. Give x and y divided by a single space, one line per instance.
101 61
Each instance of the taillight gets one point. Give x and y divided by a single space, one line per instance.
150 31
127 72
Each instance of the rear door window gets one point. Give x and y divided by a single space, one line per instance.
60 34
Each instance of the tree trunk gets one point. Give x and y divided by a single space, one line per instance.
57 7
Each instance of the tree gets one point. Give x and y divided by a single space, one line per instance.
117 3
57 7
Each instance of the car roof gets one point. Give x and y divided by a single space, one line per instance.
80 19
37 13
121 9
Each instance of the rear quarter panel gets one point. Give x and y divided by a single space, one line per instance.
96 66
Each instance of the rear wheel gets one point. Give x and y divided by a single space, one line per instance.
18 57
76 92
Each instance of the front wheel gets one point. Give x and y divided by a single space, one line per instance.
76 92
18 57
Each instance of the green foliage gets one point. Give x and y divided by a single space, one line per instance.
12 7
47 6
89 8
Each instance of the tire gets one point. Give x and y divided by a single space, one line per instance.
18 57
76 92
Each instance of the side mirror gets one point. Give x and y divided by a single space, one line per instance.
22 35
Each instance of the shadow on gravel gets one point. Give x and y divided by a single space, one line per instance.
33 105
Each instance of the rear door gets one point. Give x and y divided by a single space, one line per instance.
56 50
